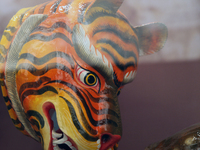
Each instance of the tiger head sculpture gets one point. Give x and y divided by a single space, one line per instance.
63 64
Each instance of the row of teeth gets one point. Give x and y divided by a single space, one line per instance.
63 140
99 145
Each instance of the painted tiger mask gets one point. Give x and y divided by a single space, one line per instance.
63 64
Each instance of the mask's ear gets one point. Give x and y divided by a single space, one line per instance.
152 38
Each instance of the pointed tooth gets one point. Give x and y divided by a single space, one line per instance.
99 146
126 75
99 55
73 148
130 75
98 141
68 143
92 48
56 135
87 43
60 141
105 60
56 147
82 31
92 51
134 73
111 68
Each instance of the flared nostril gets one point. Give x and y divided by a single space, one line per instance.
108 140
105 138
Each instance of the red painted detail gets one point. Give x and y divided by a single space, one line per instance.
108 140
46 108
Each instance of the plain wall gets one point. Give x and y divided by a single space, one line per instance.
163 99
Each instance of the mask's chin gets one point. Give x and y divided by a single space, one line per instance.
59 140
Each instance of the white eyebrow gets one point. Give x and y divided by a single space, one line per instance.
89 53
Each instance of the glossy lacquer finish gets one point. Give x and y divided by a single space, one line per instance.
63 64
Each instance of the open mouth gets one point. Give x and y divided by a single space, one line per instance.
59 140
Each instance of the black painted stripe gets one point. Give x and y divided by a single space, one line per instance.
9 107
22 16
77 123
40 137
99 111
117 62
20 128
100 99
53 27
1 75
7 99
42 8
3 49
90 19
38 92
125 36
46 58
124 53
93 122
86 124
42 37
116 81
33 11
8 36
37 115
35 122
2 59
55 6
2 83
38 72
16 122
33 84
11 28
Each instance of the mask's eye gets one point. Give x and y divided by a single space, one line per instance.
90 79
87 77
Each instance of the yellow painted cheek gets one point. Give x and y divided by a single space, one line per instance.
66 125
36 102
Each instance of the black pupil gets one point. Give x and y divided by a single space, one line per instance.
91 79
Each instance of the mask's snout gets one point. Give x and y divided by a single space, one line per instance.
109 140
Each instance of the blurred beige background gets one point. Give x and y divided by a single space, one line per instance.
182 17
165 95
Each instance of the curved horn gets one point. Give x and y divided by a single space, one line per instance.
10 70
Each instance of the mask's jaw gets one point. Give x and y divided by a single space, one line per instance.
59 140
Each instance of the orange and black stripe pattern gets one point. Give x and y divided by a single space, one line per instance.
73 56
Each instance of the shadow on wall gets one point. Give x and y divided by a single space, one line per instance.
162 100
